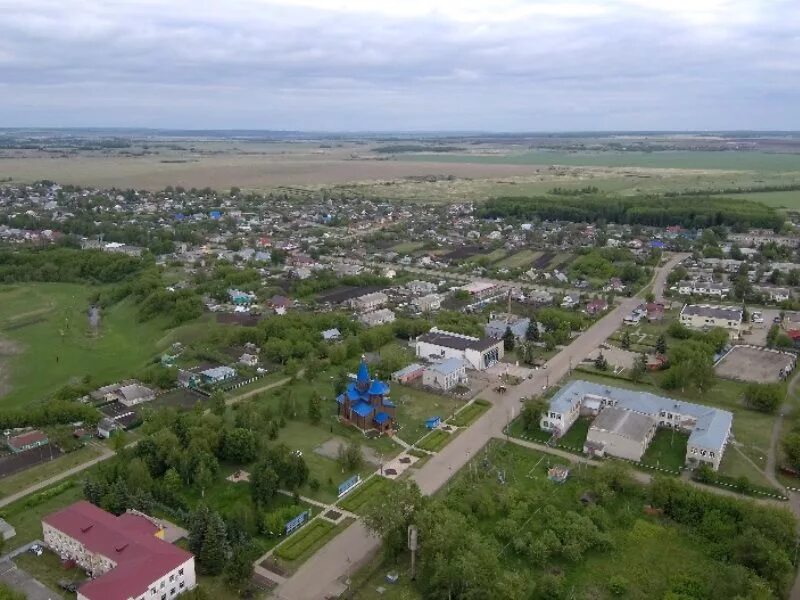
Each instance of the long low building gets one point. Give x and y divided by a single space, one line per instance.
706 316
124 556
479 353
709 428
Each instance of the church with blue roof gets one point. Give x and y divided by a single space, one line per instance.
365 403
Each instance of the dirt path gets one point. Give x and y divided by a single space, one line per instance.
263 388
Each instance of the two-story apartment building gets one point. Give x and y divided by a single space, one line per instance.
124 556
705 316
369 302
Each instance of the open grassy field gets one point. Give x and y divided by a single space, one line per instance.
414 406
25 515
789 200
48 341
471 413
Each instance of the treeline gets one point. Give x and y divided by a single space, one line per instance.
655 211
53 412
67 265
400 148
759 539
789 187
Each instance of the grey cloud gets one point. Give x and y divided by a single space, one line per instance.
279 65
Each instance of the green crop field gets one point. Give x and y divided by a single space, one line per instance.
750 161
790 200
46 341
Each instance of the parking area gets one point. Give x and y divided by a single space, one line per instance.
753 364
18 579
756 333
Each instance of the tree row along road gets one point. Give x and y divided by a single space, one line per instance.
320 576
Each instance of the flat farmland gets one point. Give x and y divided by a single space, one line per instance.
522 259
790 200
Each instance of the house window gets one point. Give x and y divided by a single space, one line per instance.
163 597
172 592
172 578
181 585
711 454
180 571
162 585
703 452
546 424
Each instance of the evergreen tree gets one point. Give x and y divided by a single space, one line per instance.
661 344
532 332
314 408
214 549
639 367
508 340
625 342
600 363
239 569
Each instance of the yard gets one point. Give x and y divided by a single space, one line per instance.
576 435
415 406
26 514
52 343
49 570
667 450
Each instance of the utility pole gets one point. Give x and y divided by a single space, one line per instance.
412 545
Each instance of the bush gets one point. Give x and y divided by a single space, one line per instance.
764 397
618 585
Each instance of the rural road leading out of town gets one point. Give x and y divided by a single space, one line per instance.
321 576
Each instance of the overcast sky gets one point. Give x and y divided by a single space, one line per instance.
503 65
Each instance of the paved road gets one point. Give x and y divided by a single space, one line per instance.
321 575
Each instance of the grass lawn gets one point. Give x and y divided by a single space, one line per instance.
415 406
365 493
215 587
667 450
26 517
521 259
470 413
735 465
576 435
19 481
305 542
49 570
48 323
435 441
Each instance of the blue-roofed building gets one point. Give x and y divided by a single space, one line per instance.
617 433
215 214
365 403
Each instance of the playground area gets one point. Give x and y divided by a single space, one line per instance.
753 364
